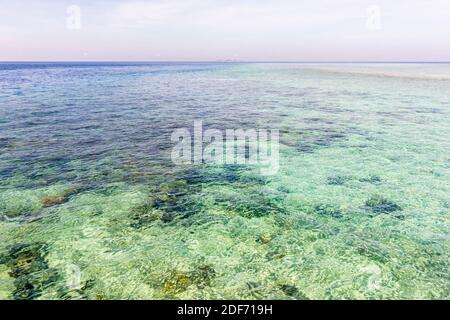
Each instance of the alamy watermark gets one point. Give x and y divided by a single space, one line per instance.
258 147
73 20
73 277
373 21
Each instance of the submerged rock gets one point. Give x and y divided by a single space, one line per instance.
51 201
19 202
177 283
275 255
30 270
264 238
378 205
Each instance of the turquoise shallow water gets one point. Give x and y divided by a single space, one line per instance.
92 207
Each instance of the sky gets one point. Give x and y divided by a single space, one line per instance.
212 30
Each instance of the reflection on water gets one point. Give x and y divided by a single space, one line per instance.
92 207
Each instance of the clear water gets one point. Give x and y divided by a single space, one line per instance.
91 206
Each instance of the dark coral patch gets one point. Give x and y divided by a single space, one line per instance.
311 143
202 276
371 179
30 270
293 292
178 282
176 199
181 198
338 180
328 210
256 206
144 214
227 174
378 205
6 142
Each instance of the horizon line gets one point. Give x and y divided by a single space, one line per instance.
219 61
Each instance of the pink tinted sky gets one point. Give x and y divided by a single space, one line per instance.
209 30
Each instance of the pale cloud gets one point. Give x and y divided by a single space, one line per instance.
145 13
228 14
